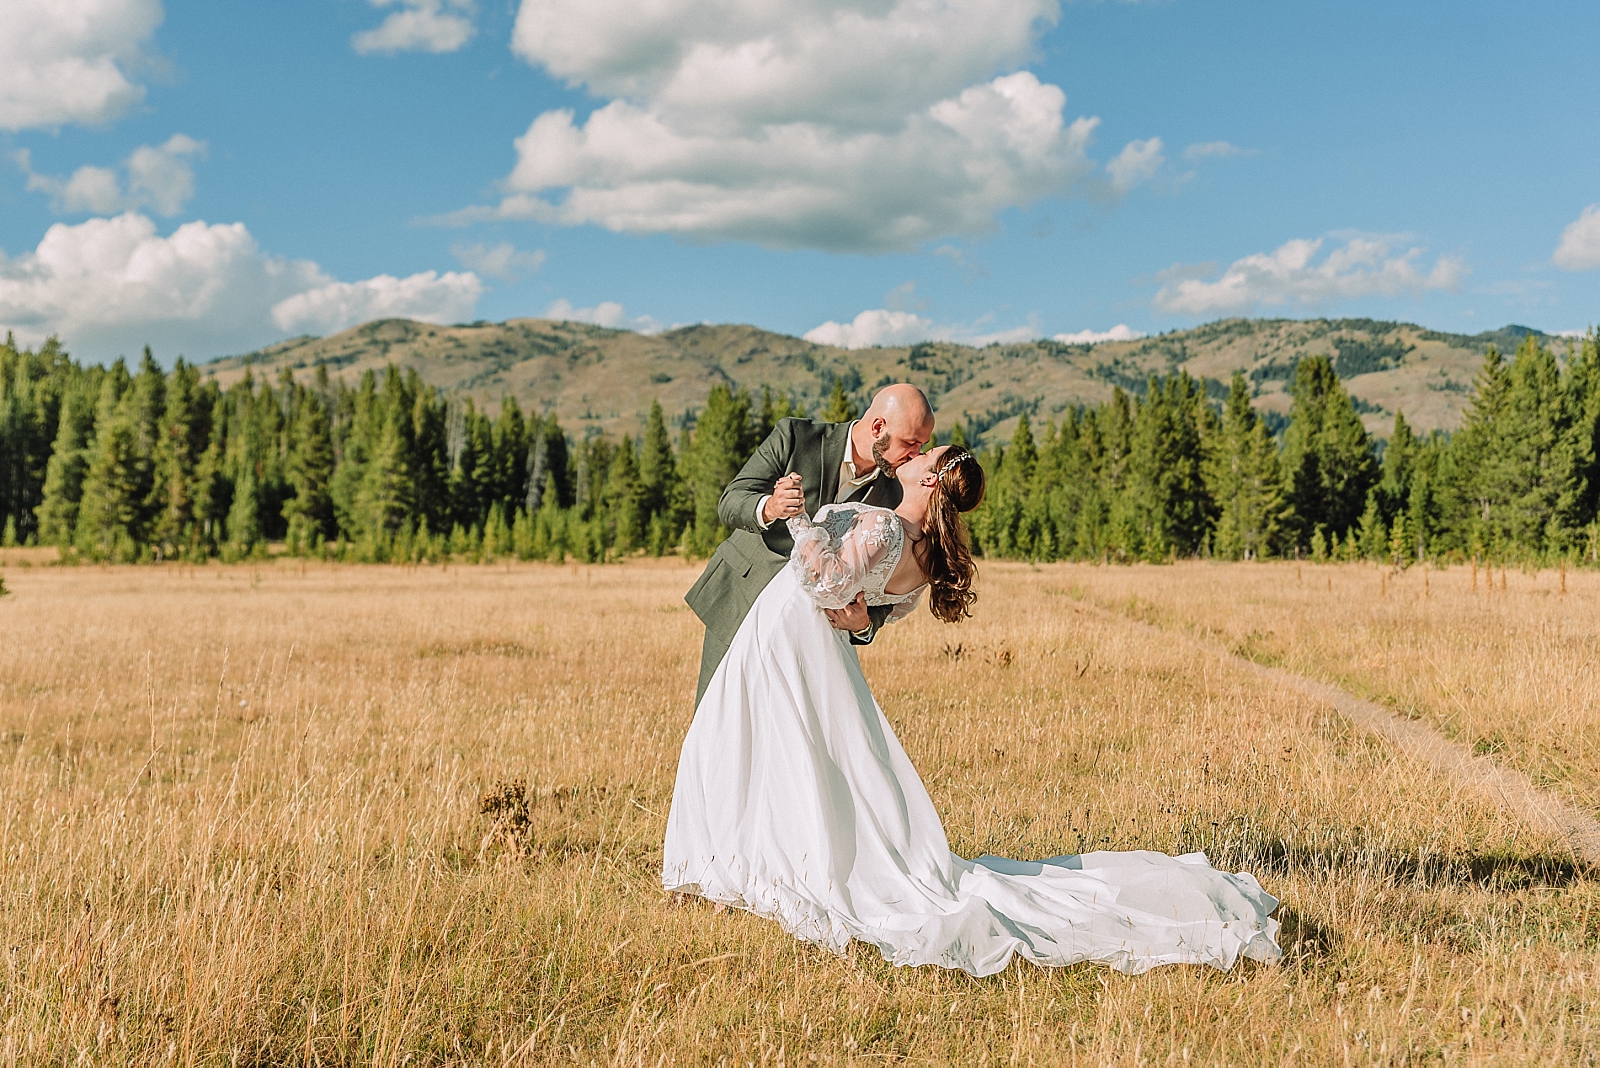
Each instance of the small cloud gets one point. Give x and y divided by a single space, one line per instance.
1579 249
608 313
1362 266
418 26
1137 163
335 306
1215 150
888 326
503 261
160 177
878 326
1120 332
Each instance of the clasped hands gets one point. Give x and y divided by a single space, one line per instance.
788 499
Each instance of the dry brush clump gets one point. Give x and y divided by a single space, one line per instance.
343 815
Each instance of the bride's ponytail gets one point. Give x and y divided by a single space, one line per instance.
943 551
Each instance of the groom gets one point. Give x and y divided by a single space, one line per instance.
834 462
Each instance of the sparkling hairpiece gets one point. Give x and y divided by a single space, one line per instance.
951 463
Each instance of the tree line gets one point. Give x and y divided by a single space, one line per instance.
124 465
1171 474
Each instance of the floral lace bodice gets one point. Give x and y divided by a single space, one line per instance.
849 548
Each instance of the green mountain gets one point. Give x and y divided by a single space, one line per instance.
601 380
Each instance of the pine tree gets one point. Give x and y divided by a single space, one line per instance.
1467 494
180 438
310 465
1582 451
839 409
1399 466
997 524
386 496
1373 536
244 515
1528 468
67 468
114 490
1166 497
1243 479
624 520
212 487
1327 455
658 477
722 441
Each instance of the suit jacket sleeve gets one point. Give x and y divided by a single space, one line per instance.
878 614
770 462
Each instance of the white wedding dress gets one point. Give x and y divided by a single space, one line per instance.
795 801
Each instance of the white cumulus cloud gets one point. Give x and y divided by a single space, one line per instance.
1579 249
877 326
1363 266
1120 332
889 326
1135 164
109 286
418 26
63 61
608 313
159 177
745 64
503 261
847 126
334 306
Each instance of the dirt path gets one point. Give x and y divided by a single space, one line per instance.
1507 787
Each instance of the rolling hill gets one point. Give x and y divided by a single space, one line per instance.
601 380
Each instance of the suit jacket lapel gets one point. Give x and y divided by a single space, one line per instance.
835 440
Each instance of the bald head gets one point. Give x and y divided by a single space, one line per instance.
905 408
894 428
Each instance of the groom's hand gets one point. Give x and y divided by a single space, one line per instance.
787 499
853 617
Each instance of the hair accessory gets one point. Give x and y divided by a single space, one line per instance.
951 463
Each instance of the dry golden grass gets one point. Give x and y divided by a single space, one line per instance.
240 823
1505 661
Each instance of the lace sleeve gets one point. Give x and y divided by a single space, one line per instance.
903 609
833 553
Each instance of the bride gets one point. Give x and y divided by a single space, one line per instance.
795 801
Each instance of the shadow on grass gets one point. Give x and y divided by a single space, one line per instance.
1486 871
1303 937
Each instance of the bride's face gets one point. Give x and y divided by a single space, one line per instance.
921 468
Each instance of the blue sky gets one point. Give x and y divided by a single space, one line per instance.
208 178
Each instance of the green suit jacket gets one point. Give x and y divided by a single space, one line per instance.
750 557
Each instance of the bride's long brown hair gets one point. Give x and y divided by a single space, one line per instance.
943 551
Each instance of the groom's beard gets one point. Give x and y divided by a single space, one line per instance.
885 468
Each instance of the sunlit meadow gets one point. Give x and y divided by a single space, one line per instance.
333 815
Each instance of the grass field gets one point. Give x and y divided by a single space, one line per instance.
243 819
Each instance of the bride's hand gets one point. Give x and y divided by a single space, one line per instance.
852 618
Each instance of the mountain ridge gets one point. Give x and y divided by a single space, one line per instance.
601 380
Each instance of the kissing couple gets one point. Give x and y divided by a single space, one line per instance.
794 799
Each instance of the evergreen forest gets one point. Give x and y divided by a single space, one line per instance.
125 465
